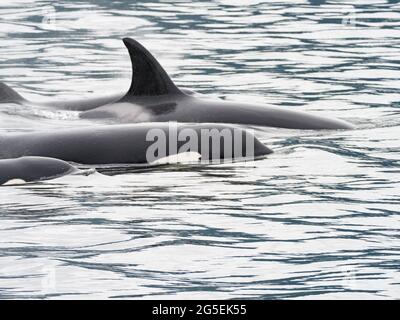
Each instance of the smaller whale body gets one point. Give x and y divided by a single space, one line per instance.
141 144
31 169
153 97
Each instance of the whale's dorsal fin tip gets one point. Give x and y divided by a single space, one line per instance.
148 76
9 95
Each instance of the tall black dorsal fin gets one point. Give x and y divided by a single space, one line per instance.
8 95
148 76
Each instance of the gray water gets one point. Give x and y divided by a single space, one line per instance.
317 219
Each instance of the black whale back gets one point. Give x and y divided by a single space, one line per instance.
31 169
148 76
8 95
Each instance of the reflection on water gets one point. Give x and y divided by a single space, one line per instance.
318 218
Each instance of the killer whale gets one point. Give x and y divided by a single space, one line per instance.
9 95
153 97
30 169
130 143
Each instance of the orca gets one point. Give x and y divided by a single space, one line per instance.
9 95
140 144
153 97
30 169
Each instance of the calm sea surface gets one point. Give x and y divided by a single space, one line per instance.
320 218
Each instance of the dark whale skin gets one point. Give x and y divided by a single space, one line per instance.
30 169
118 144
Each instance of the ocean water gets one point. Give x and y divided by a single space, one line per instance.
319 218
